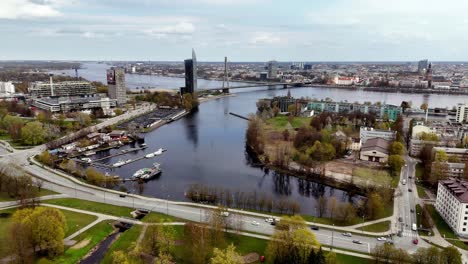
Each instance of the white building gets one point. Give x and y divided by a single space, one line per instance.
462 113
7 88
344 80
452 204
366 133
375 149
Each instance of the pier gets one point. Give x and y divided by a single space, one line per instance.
123 152
240 116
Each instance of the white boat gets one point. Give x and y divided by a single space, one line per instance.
88 160
140 172
90 153
150 155
158 152
151 172
119 163
128 161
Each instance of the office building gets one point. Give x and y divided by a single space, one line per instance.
423 66
452 204
7 88
272 67
366 133
116 83
462 113
190 75
75 103
460 153
69 88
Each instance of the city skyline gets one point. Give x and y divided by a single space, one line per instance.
261 30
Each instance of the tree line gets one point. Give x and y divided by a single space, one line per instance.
387 253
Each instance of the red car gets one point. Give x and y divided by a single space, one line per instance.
262 259
415 241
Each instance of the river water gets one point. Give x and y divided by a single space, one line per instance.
208 146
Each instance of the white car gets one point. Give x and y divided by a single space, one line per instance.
347 234
381 239
255 223
269 220
225 214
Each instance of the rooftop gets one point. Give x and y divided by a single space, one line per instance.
378 144
458 188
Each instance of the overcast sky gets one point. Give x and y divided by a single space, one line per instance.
243 30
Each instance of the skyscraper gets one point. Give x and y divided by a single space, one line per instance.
190 74
422 66
116 83
272 67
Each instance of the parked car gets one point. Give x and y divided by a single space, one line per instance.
415 241
255 223
410 190
122 195
381 239
412 210
269 220
347 234
400 219
314 228
225 214
357 242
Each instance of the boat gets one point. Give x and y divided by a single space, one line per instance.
128 161
150 155
88 160
118 163
90 153
153 171
159 152
140 172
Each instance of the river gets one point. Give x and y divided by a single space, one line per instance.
208 146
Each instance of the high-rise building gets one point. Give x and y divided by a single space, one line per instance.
7 88
190 74
68 88
422 66
272 67
462 113
116 83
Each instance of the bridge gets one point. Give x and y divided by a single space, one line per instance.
260 84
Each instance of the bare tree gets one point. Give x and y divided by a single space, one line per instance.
322 205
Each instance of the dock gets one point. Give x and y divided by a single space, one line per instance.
123 152
240 116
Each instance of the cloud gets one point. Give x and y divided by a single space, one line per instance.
264 38
182 28
27 9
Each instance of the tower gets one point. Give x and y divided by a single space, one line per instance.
116 83
190 74
226 77
429 76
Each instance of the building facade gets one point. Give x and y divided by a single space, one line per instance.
375 149
462 113
366 133
272 67
452 204
69 88
7 88
116 83
380 111
190 74
75 103
422 66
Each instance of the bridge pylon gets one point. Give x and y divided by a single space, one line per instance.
225 77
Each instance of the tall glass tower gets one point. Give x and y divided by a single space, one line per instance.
191 74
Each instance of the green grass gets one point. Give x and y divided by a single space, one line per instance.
377 177
125 243
155 217
76 221
4 197
92 206
95 234
280 122
347 259
5 222
421 192
419 171
377 227
444 229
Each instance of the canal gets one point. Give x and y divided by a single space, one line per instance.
208 147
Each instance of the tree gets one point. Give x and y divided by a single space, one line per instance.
330 258
13 125
424 106
322 205
454 159
438 172
33 134
159 239
21 243
45 226
345 212
198 237
255 136
83 119
396 162
332 204
164 258
441 156
397 148
292 241
451 255
227 256
374 206
187 101
119 257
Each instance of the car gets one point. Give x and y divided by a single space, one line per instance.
347 234
255 223
225 214
381 239
415 241
314 228
412 210
410 190
400 219
269 220
410 177
122 195
357 242
400 234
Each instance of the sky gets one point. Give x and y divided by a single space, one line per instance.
242 30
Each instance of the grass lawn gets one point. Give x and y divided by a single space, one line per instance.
95 235
347 259
419 171
4 197
377 177
155 217
444 228
421 193
92 206
76 221
5 222
377 227
124 243
280 122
